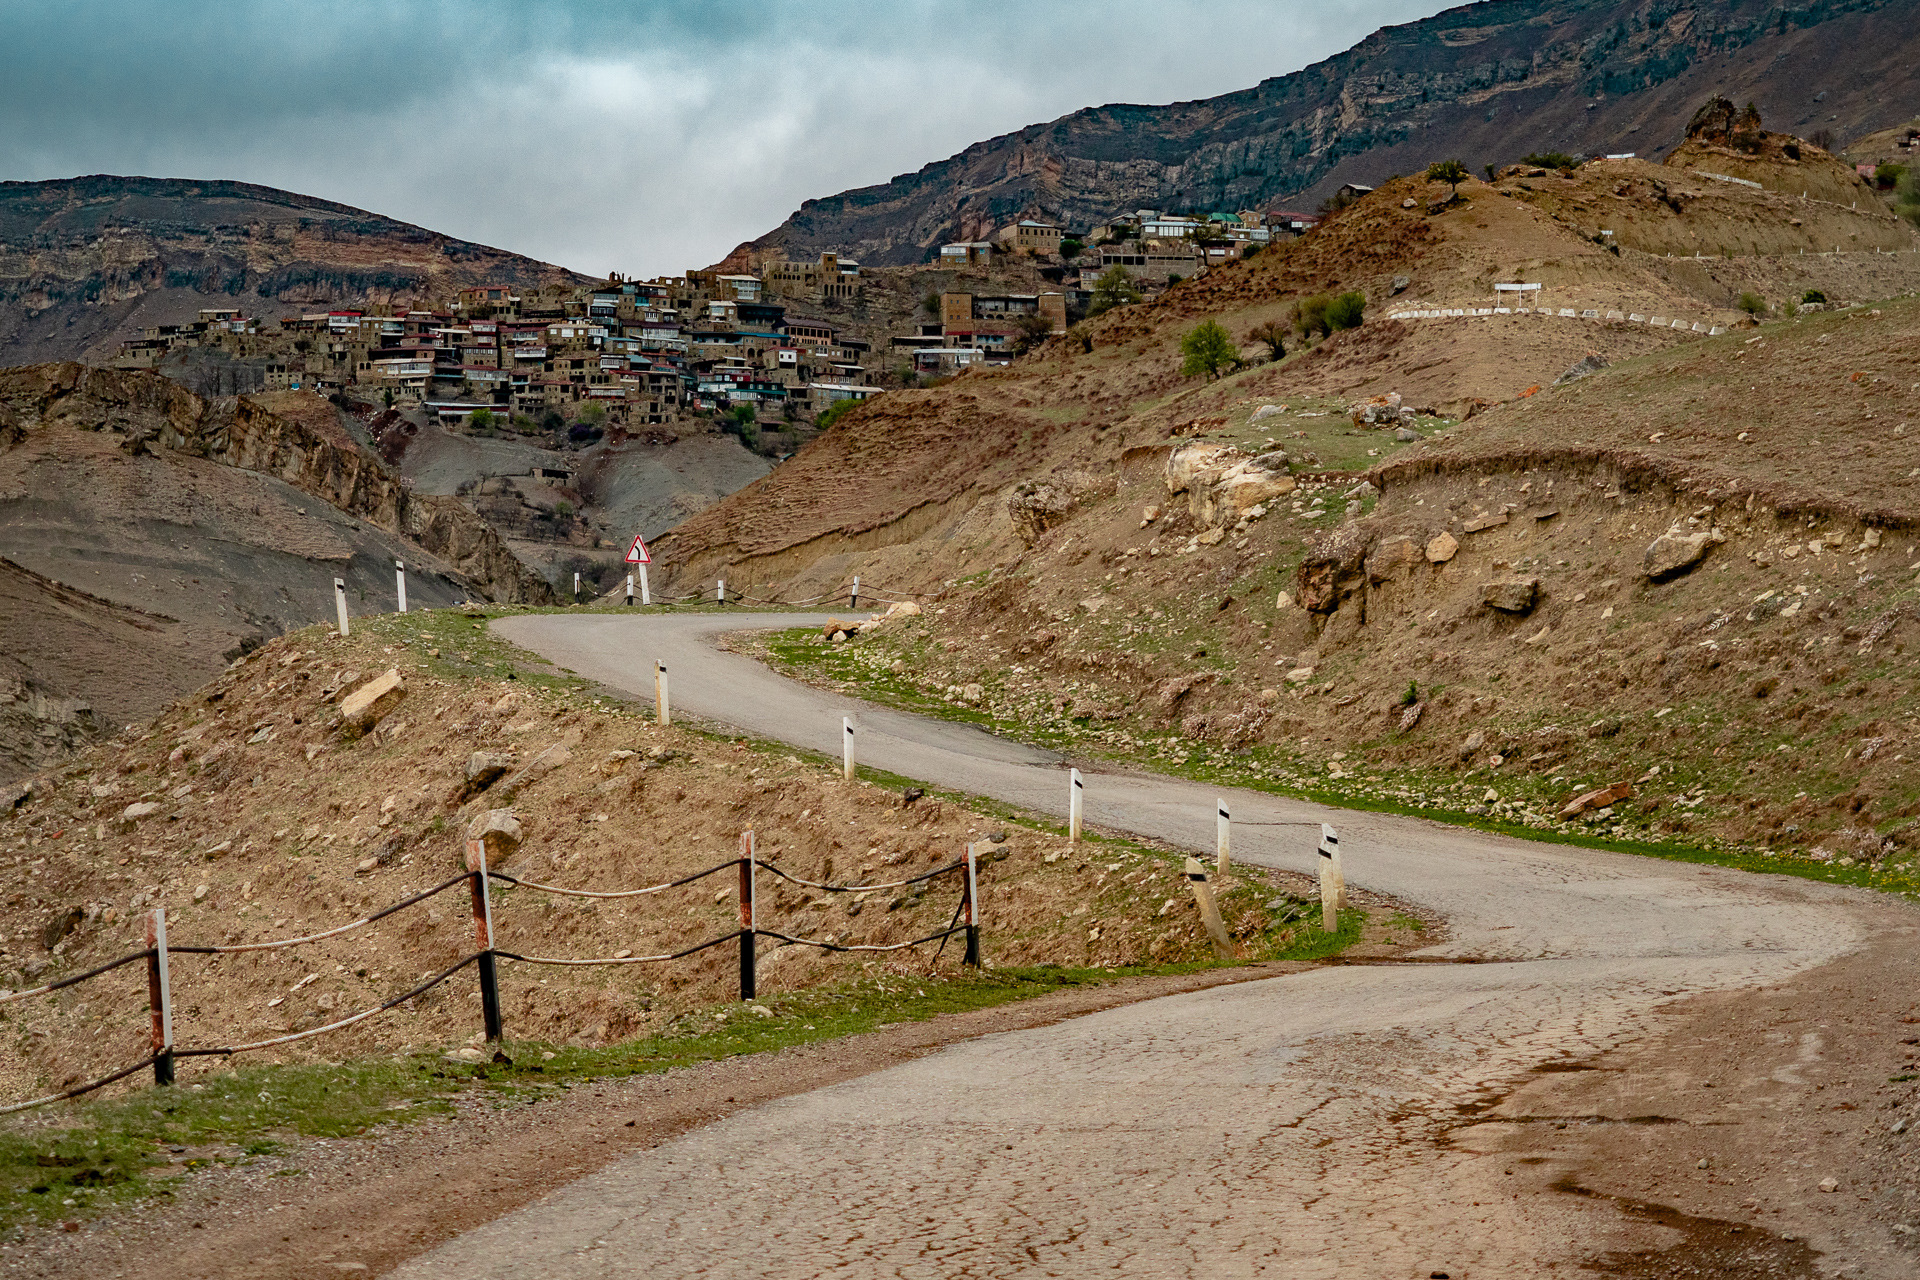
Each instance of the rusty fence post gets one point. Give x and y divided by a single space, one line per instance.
483 936
970 909
159 996
749 916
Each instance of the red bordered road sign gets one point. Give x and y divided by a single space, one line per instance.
638 553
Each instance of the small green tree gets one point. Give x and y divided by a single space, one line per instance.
1274 335
1752 303
741 418
931 304
481 419
1207 350
1031 332
386 397
1113 288
1550 160
834 412
1071 249
1310 315
1081 338
1451 172
1346 311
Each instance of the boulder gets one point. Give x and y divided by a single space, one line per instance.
1222 483
365 706
1266 411
1674 553
484 768
134 812
498 831
1442 548
1599 799
1511 595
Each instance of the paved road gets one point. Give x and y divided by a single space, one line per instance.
1290 1127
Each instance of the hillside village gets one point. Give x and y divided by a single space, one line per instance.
649 357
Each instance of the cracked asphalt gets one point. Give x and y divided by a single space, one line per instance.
1297 1126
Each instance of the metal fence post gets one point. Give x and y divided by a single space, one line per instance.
749 915
483 935
159 996
972 913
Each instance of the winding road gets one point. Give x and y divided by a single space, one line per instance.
1288 1127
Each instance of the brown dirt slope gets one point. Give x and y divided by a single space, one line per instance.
914 484
271 819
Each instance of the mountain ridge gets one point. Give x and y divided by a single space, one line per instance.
1484 82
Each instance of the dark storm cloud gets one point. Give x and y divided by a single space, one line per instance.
640 137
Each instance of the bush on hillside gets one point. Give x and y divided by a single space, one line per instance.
1752 303
1550 160
1113 288
1347 311
833 413
1812 296
1207 350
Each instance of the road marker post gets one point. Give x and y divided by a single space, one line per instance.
483 936
720 591
400 582
576 586
1209 909
846 747
749 915
1222 838
661 714
970 911
1333 885
1075 790
630 591
853 597
340 603
159 996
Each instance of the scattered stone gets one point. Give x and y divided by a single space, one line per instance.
1485 521
1511 595
1673 552
972 693
499 831
1411 716
1406 435
1829 1184
1400 283
63 923
1266 411
761 1011
365 706
1299 675
200 893
467 1054
1592 362
486 768
1442 548
1472 743
1148 516
143 809
1597 799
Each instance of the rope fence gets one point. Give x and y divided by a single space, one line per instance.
478 877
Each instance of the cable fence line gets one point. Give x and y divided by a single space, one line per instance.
165 1052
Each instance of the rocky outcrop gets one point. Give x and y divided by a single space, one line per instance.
150 412
1222 484
39 727
1490 83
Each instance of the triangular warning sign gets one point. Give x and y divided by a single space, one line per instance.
638 553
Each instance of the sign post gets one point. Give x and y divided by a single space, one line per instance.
640 558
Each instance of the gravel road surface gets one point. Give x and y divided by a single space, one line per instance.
1294 1127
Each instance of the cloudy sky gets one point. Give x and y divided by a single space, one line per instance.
637 137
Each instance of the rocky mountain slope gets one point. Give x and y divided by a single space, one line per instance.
86 262
150 536
1546 540
1486 83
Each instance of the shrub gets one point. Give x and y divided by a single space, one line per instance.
1071 249
1346 311
1752 303
1207 350
834 412
1451 172
1813 296
1174 279
1274 335
480 419
1310 315
1114 288
1550 160
563 510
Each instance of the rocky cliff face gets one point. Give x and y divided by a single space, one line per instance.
85 262
302 449
1486 83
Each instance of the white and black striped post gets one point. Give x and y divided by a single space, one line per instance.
483 936
340 603
970 911
159 996
1222 837
661 713
1333 889
1209 909
846 747
576 586
1075 790
853 597
400 582
749 915
720 591
630 589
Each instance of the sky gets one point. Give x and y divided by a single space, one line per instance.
644 138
